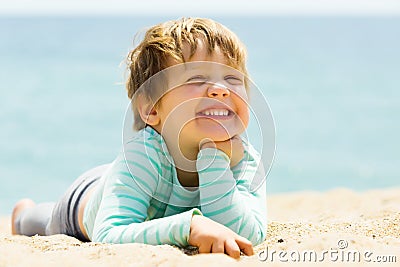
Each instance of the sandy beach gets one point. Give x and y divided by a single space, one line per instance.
334 228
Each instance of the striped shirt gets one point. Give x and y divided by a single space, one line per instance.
140 200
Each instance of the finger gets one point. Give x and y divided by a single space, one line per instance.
232 249
218 247
207 143
245 246
236 138
205 247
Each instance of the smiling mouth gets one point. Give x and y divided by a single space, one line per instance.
216 113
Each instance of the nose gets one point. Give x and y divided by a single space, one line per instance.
216 90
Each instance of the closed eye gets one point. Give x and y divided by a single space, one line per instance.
197 79
234 80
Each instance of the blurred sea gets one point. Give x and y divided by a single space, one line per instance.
332 83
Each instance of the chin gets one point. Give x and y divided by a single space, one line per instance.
218 132
217 135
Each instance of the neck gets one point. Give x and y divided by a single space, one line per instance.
184 157
189 180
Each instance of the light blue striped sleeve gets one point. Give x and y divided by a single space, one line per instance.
227 196
129 189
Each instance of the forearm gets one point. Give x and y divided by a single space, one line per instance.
227 200
173 230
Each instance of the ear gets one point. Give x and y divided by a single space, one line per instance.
148 113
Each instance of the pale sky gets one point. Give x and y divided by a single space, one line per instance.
200 7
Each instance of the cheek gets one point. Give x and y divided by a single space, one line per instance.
244 118
243 111
177 112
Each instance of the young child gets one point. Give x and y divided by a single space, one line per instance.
185 177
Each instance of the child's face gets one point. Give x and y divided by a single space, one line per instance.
206 100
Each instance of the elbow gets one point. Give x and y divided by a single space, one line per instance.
102 236
260 236
256 235
97 237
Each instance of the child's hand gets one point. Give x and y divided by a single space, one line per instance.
212 237
232 147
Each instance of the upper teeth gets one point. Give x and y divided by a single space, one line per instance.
216 112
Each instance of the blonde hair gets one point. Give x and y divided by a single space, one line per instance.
165 41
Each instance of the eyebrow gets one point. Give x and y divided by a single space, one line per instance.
192 66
